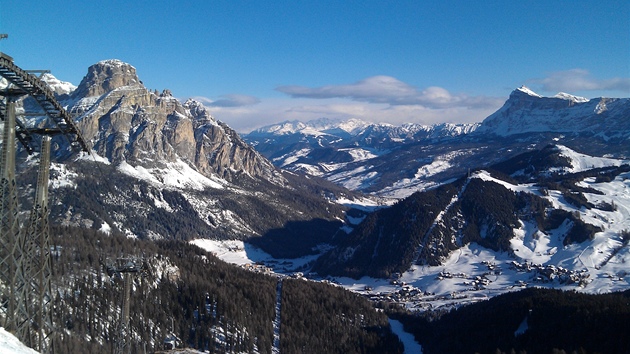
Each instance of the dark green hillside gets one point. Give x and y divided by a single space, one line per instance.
321 318
530 164
385 242
389 240
208 304
556 322
185 287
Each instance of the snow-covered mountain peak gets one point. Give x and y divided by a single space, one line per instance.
527 112
572 98
353 125
527 91
287 127
58 86
116 63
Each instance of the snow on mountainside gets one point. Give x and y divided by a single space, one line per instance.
528 92
352 126
395 161
342 151
160 168
569 97
581 162
528 112
59 87
356 127
468 272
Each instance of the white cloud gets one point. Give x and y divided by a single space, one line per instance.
231 100
389 90
581 80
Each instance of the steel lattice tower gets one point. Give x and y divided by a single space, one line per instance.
25 254
34 278
9 227
125 267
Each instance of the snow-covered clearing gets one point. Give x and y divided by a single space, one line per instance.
175 175
407 186
581 162
411 346
9 344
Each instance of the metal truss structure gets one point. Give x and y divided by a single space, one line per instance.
25 248
126 268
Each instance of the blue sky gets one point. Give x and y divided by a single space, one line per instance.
258 62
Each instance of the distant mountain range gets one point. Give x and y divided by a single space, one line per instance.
395 161
536 193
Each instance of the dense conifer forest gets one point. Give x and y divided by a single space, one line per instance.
528 321
187 293
386 240
337 322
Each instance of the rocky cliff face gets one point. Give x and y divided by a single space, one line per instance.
167 169
124 121
528 112
106 76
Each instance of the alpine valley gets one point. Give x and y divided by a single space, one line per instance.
437 226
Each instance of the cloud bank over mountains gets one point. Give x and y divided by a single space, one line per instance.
231 100
389 90
386 99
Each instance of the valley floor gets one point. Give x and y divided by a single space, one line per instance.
471 274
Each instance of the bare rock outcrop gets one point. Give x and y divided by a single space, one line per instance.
124 121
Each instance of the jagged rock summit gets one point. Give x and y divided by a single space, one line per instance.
105 76
528 112
59 87
160 168
125 122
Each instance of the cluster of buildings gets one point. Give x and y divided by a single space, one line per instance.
549 273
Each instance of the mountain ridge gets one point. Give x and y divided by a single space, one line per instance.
395 161
539 193
160 168
528 112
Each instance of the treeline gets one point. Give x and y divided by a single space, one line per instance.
389 240
185 291
188 294
529 321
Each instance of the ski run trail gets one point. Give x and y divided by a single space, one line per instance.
276 322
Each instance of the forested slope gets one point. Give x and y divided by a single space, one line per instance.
528 321
206 303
